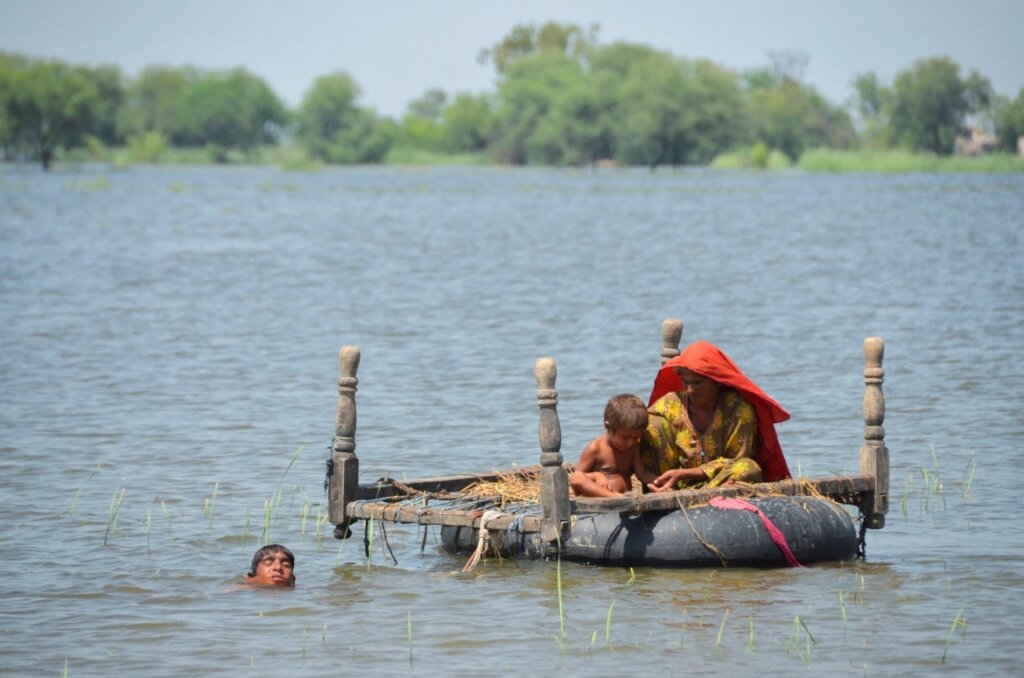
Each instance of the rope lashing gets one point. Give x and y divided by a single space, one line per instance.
774 532
484 542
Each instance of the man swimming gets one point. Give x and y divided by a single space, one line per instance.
272 565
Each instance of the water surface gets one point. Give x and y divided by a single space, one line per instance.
169 354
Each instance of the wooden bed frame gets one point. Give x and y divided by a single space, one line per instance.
349 501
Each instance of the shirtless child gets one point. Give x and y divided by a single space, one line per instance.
608 461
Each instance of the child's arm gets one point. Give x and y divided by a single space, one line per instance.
640 471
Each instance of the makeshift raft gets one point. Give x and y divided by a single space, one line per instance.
779 523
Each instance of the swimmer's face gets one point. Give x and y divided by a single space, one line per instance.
623 439
275 569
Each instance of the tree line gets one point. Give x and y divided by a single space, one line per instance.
562 98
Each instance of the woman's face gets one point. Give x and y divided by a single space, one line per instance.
702 391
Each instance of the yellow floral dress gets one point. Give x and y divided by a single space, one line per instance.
724 451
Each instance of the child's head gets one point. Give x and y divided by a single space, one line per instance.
625 411
272 565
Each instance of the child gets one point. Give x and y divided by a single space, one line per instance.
273 565
608 461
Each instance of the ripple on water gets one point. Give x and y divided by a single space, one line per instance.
162 341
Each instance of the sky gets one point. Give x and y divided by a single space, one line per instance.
396 50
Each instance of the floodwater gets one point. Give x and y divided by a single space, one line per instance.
168 357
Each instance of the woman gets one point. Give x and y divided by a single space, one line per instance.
709 424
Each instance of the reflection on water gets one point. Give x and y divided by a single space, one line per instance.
172 333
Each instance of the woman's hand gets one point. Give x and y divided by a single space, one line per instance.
668 480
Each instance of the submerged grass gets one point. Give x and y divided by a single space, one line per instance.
210 503
245 527
968 477
900 161
78 493
756 157
608 622
958 620
116 502
167 515
795 638
561 602
410 155
266 521
408 627
721 629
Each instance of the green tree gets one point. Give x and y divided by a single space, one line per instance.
526 40
792 117
529 91
576 130
10 65
48 105
871 102
421 125
232 109
153 102
468 123
109 82
333 128
676 111
1010 123
930 102
430 105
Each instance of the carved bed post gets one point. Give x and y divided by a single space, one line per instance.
874 456
554 480
343 482
671 334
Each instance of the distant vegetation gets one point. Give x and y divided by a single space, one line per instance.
562 98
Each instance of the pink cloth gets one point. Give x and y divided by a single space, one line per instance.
774 532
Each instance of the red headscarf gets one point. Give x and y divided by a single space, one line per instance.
708 360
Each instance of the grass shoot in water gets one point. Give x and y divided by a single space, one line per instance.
969 477
561 605
167 514
750 634
74 501
295 455
337 558
210 503
608 622
721 628
245 527
958 620
794 639
266 521
116 502
408 626
303 517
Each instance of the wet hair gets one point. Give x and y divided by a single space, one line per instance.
625 411
271 549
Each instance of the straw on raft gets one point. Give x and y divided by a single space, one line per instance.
518 486
523 486
510 487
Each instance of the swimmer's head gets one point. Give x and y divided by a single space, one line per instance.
272 565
